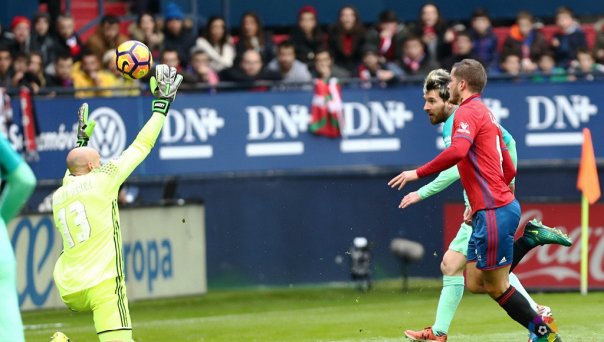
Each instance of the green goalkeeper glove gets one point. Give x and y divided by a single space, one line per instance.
164 86
85 126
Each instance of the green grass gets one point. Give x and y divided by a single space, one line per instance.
324 313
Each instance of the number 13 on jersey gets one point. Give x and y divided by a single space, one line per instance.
79 227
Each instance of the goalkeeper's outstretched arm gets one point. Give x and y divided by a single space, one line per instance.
164 86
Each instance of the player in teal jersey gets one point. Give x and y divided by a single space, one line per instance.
19 184
90 272
440 110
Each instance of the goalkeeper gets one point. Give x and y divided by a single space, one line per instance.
89 274
19 184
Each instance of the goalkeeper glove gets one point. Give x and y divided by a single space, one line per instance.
164 86
85 126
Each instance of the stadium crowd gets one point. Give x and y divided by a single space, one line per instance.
36 55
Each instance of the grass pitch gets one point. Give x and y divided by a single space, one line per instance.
324 313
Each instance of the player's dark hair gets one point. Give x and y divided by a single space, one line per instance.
4 48
286 44
86 52
565 10
584 50
167 50
480 13
471 71
463 34
110 19
438 79
63 56
63 16
524 15
324 50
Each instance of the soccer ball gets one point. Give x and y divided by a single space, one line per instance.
133 59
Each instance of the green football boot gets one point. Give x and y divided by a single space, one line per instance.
540 234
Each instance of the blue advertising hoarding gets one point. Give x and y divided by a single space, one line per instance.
243 132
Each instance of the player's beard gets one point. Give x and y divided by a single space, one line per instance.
440 116
454 97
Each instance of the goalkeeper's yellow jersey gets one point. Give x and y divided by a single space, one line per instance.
86 214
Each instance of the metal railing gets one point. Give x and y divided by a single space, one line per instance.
353 83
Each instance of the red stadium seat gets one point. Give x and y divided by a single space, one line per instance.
548 31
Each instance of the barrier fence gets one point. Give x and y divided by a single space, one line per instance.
283 229
243 132
164 256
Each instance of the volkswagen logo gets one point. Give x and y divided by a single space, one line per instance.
109 136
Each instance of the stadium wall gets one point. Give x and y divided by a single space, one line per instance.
275 13
283 206
158 262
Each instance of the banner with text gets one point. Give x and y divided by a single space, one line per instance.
242 132
551 266
163 249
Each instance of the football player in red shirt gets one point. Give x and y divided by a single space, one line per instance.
486 169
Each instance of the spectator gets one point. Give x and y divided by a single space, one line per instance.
35 66
585 66
6 37
434 33
176 35
415 60
63 68
253 37
19 68
171 58
22 77
484 41
89 74
68 41
324 67
462 49
373 70
599 43
569 39
130 87
326 108
107 36
547 69
41 40
386 37
200 70
217 44
307 36
249 70
291 69
146 30
526 41
21 28
347 38
6 71
510 66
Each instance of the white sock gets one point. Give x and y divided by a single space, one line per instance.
515 282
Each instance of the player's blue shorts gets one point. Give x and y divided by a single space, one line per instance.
492 242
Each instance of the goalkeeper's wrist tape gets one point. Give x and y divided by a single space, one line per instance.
82 142
161 106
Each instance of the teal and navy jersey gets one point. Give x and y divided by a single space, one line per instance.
86 214
19 178
449 176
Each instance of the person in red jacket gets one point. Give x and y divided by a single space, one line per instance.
485 168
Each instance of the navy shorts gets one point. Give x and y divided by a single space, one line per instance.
492 242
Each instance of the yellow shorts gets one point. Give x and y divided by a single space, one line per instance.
109 306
